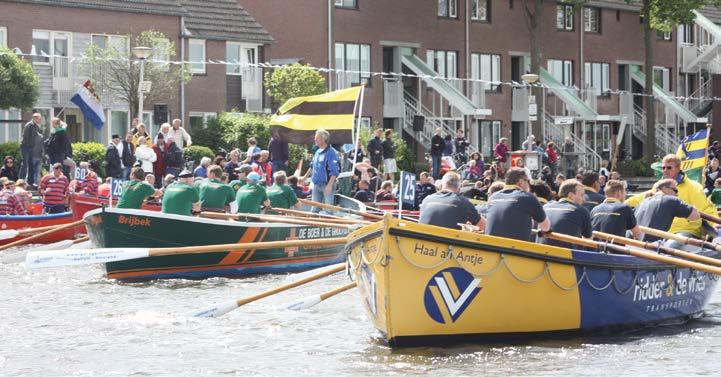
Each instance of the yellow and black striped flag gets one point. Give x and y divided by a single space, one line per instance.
298 119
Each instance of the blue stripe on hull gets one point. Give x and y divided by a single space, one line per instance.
626 297
240 271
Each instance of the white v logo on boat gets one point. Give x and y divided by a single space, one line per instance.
453 304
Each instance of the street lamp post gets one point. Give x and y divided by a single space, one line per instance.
530 79
142 53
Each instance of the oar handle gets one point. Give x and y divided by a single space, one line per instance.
336 208
663 249
41 235
339 267
636 253
338 290
677 237
318 216
710 218
160 251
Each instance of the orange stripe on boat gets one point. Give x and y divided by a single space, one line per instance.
260 238
235 255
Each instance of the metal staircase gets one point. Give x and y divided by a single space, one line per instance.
665 140
413 107
588 158
699 102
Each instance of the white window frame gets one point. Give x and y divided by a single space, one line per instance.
666 35
448 8
588 23
561 70
109 41
476 6
597 77
197 67
351 4
5 131
444 63
3 37
364 60
243 49
486 67
205 115
686 34
665 77
564 17
51 43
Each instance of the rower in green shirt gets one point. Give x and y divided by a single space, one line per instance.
251 196
180 197
214 194
243 172
280 194
136 190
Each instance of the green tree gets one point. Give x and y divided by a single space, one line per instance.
114 71
295 80
19 86
660 15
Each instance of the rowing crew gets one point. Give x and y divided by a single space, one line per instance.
185 196
511 209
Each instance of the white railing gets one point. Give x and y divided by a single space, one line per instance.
392 98
589 157
413 107
343 80
666 140
699 98
478 94
519 109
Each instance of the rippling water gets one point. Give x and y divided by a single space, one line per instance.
72 322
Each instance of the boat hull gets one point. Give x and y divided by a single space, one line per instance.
423 284
139 228
38 221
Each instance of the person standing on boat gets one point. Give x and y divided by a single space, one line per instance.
689 192
251 196
447 208
280 194
136 190
437 144
215 196
511 210
324 170
568 215
180 198
10 203
592 185
54 189
613 216
661 209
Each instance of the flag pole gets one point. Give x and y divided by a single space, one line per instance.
705 153
357 127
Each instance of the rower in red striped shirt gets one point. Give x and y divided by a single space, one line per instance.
10 204
54 190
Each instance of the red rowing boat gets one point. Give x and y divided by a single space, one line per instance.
82 203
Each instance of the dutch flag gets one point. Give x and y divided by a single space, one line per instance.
89 104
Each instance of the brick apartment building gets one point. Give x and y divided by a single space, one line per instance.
216 30
599 49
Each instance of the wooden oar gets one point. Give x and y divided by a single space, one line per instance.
272 218
41 235
72 257
336 208
316 299
317 216
6 234
636 253
710 218
660 248
225 307
683 239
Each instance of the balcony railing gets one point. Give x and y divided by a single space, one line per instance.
392 98
252 88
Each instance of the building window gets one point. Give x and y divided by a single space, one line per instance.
41 46
238 57
592 20
196 54
564 17
120 122
490 133
448 8
10 131
346 3
487 68
561 70
596 78
479 10
200 120
686 33
445 63
120 43
662 77
355 59
3 37
664 35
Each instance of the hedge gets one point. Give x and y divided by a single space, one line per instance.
11 149
195 152
90 151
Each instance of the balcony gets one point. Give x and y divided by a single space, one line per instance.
393 98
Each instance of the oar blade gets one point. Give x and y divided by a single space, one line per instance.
73 257
22 254
7 234
304 303
215 310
